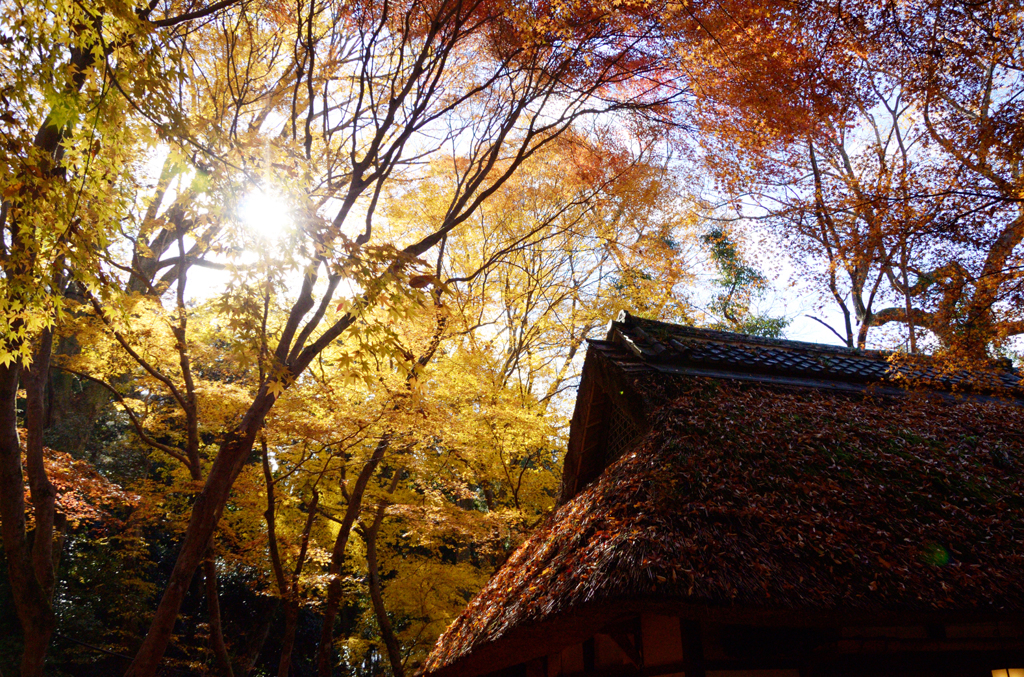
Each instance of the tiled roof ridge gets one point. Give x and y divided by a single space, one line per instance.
627 319
642 344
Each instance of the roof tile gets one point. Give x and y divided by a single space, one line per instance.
659 345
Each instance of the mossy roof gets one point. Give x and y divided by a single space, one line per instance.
752 495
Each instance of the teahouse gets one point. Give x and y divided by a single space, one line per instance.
740 507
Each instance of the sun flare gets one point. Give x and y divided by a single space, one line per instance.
266 215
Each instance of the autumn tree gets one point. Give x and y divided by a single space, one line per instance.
893 189
961 73
405 77
66 178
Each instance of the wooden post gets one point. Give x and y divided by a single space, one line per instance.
589 653
693 648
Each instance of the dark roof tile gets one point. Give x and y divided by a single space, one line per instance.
660 346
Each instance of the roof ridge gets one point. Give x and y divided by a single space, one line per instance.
672 345
628 319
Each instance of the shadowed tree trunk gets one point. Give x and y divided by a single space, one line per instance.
289 590
31 561
220 650
369 535
30 599
355 502
292 604
245 661
291 624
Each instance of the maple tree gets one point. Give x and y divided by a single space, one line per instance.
899 188
473 189
529 92
66 177
970 111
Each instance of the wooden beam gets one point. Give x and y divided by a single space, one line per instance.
629 648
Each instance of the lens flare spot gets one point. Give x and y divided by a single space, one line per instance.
265 214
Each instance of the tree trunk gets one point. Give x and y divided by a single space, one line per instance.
289 591
323 658
30 598
43 493
206 513
291 624
71 413
256 639
31 567
387 633
291 612
44 498
220 650
292 606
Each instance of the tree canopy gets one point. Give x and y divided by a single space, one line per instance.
295 295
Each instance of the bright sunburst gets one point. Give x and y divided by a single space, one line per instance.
266 215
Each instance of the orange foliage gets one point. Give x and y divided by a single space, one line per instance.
83 494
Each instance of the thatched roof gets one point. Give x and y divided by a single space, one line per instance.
752 496
615 401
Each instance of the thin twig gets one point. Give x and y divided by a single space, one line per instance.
827 326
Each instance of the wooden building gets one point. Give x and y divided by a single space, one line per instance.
742 507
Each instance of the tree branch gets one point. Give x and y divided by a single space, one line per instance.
197 14
170 451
